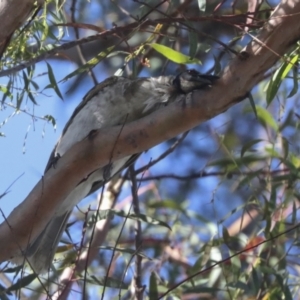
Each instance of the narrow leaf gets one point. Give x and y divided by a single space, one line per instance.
170 204
252 104
126 250
249 145
266 118
144 218
6 91
256 280
149 220
193 41
285 146
53 82
153 291
289 65
174 55
278 76
90 64
274 85
109 282
24 281
51 119
295 83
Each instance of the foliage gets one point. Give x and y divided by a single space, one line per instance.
217 210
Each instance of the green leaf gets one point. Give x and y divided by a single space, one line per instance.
149 220
141 217
108 282
245 180
6 91
27 82
193 41
31 97
287 293
278 76
201 290
53 82
174 55
24 281
266 118
153 291
15 269
274 85
217 65
226 236
90 64
249 145
20 97
232 164
239 285
51 119
126 251
252 103
3 295
285 146
256 280
295 83
170 204
287 66
294 161
294 213
115 53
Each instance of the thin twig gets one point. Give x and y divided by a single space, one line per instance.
204 174
113 31
79 47
163 155
227 259
139 289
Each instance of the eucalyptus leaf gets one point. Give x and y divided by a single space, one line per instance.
174 55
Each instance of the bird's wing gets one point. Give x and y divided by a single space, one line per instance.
41 252
98 184
93 92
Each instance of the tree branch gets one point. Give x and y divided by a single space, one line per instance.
13 13
125 30
28 219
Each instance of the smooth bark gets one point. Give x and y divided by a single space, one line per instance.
246 70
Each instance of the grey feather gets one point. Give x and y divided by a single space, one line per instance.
115 101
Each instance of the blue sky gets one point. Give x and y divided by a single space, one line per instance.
35 138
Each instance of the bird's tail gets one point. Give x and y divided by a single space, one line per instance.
41 252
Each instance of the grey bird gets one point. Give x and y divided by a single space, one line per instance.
115 101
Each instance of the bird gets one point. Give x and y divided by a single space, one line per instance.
115 101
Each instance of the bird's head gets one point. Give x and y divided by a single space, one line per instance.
190 80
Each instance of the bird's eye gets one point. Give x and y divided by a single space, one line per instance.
193 72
